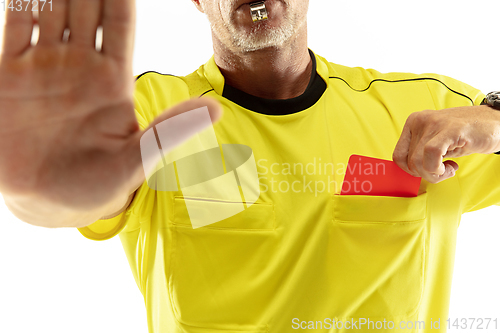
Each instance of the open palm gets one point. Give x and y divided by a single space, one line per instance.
68 128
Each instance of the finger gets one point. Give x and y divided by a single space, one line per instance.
457 152
452 164
434 151
118 24
400 154
18 30
414 156
214 109
415 160
52 22
451 168
459 149
84 18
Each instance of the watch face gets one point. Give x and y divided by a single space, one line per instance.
493 99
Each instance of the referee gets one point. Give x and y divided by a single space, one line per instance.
302 254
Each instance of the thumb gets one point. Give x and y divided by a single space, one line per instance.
213 106
185 120
172 128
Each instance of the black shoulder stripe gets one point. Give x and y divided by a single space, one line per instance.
138 77
153 72
404 80
206 92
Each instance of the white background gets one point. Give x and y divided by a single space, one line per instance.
58 281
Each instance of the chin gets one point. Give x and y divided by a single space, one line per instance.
263 36
256 44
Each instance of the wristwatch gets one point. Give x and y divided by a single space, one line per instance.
493 100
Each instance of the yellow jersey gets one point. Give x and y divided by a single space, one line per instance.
304 256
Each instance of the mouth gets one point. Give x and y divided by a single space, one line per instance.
242 3
264 12
258 11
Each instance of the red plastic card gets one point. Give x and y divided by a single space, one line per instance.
374 176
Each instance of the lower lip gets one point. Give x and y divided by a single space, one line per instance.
247 5
271 6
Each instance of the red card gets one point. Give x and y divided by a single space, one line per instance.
374 176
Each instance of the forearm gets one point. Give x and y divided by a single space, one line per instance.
39 212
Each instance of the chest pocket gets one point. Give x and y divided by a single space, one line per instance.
218 272
259 216
378 255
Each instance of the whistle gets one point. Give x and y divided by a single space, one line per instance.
258 11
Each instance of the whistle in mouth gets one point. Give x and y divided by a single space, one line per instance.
258 11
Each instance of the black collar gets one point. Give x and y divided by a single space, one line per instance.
280 107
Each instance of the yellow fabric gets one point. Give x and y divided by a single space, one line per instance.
105 229
299 253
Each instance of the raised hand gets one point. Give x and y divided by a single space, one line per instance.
431 136
68 132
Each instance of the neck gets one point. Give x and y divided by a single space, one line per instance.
273 73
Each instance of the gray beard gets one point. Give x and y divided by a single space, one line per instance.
260 39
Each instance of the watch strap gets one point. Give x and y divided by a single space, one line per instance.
485 103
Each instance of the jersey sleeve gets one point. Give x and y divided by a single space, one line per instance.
104 229
478 174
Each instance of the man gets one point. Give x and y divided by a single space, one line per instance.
293 254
